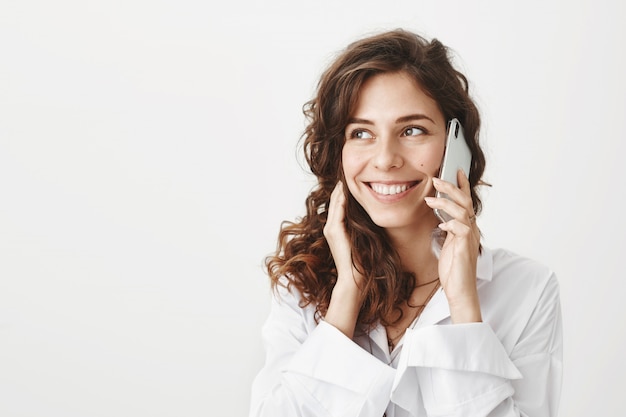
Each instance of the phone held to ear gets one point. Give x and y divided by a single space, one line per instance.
457 155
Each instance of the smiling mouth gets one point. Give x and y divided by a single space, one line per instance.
392 189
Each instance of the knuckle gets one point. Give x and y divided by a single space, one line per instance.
330 232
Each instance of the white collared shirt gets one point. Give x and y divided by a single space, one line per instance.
508 365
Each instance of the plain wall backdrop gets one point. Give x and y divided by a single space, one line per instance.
149 151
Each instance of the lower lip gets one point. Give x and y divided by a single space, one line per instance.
392 198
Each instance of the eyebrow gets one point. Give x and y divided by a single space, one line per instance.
403 119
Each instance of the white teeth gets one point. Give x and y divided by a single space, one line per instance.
389 189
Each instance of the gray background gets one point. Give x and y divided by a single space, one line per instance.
148 155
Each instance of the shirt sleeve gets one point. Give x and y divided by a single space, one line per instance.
315 370
464 370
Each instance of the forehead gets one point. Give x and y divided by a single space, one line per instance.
393 95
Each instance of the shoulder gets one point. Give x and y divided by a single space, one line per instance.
518 289
288 304
285 291
512 269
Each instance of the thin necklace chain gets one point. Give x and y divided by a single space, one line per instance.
391 341
426 283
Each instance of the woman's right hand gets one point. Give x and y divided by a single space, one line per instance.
336 235
346 298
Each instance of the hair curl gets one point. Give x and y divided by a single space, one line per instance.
303 256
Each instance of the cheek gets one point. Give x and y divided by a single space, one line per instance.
430 160
352 165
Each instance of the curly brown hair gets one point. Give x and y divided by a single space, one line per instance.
303 259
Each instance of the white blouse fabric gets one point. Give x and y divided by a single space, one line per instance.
508 365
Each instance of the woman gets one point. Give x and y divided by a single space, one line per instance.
380 308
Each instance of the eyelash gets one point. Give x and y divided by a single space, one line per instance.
424 131
355 132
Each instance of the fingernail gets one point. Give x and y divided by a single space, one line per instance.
429 200
436 180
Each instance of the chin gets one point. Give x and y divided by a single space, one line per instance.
403 219
391 221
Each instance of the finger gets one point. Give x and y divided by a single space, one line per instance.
463 181
457 228
336 206
466 188
337 197
452 208
461 196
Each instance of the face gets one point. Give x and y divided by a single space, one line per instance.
394 144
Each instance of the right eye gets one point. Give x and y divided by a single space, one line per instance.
360 134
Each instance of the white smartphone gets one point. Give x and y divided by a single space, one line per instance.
457 155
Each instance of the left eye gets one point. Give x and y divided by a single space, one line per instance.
413 131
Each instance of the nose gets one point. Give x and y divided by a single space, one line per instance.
388 154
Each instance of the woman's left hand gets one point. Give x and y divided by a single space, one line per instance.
459 254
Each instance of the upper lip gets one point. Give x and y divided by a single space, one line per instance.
391 187
396 182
